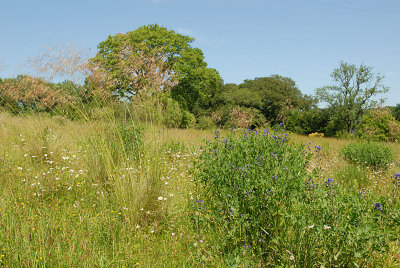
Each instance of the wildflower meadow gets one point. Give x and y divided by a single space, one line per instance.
121 193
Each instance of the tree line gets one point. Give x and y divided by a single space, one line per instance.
153 67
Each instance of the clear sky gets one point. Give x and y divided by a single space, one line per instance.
243 39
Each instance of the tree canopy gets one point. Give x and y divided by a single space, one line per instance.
153 57
273 96
352 94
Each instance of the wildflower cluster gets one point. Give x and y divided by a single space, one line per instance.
396 180
258 192
241 180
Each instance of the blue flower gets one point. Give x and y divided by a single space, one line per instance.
217 134
378 206
329 183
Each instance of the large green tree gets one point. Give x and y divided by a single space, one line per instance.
274 96
353 94
155 58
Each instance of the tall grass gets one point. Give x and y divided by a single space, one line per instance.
84 192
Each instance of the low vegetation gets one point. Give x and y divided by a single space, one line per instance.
369 154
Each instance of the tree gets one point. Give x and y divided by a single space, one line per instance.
153 58
138 69
352 95
396 112
274 96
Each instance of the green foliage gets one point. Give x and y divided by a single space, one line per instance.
241 176
188 120
197 85
396 112
172 44
121 140
352 94
342 134
199 89
371 154
171 113
256 193
379 125
307 121
273 96
101 113
353 176
205 122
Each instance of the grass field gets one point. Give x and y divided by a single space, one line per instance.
74 194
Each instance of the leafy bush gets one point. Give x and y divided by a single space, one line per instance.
307 121
379 125
26 93
257 194
344 135
171 113
205 122
188 119
370 154
396 112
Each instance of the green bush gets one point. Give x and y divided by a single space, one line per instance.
371 154
255 193
205 122
171 113
188 119
379 125
306 121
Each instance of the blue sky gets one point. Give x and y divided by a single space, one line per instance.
243 39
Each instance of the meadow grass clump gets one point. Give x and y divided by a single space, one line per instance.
87 194
255 193
371 154
351 175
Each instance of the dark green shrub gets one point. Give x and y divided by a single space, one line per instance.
307 121
369 154
396 112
